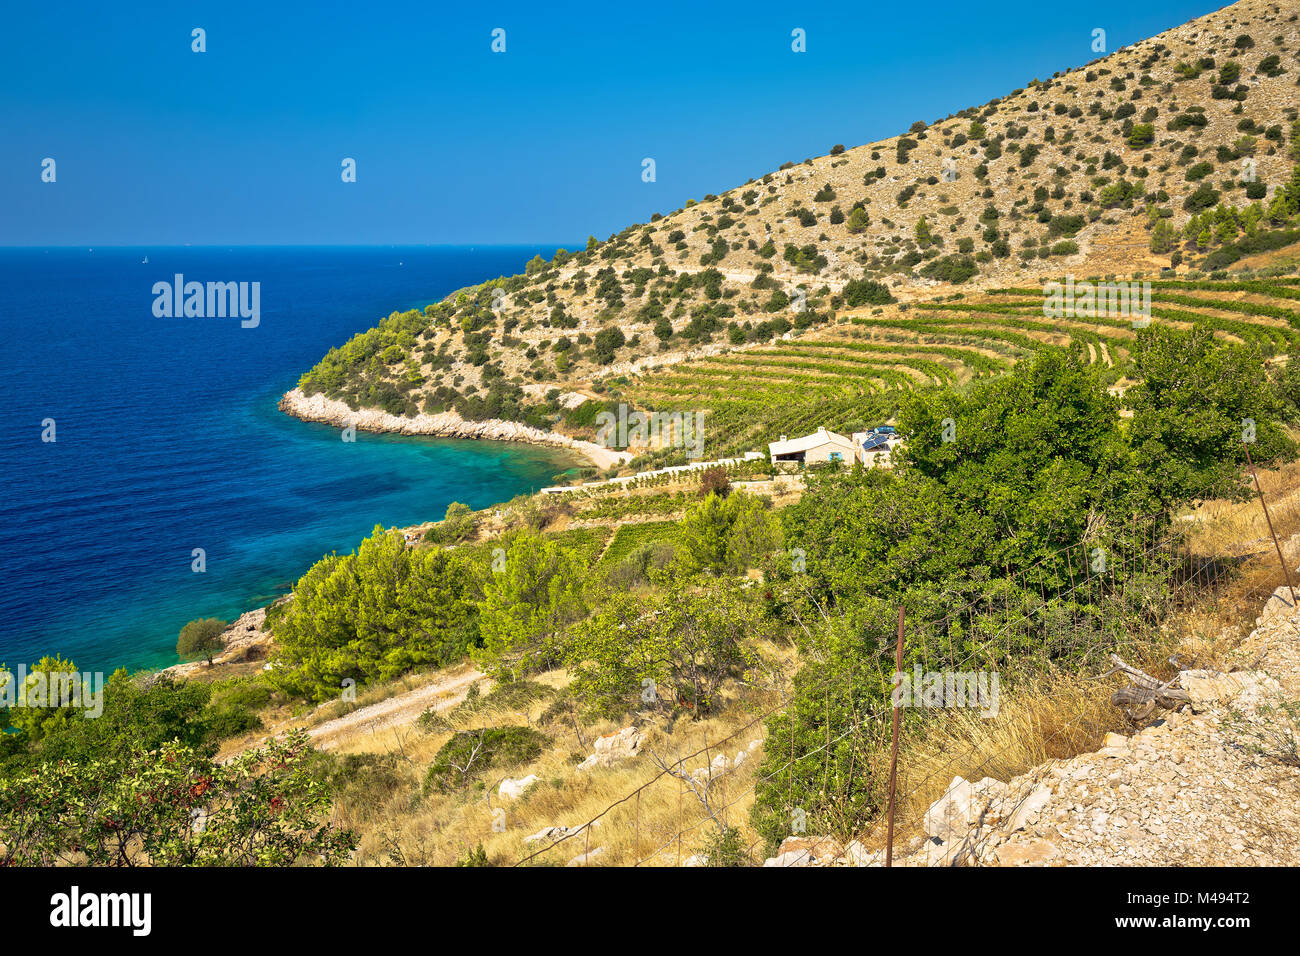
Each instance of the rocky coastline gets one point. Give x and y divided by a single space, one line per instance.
449 424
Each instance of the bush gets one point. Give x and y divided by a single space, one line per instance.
860 292
527 603
726 848
1064 226
1143 134
262 808
680 643
471 753
954 269
458 523
201 638
607 343
727 535
1204 198
714 481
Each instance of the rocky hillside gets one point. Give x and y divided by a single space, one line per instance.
1213 784
1153 157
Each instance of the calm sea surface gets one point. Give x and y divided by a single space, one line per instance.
168 439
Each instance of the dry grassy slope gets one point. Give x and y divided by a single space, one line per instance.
1071 164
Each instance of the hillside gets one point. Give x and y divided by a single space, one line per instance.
1154 793
1084 173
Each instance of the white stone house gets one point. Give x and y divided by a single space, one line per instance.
819 447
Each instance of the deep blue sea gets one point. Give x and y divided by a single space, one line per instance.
167 439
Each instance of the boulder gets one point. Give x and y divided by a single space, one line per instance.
611 748
935 852
584 859
858 855
1207 687
818 849
550 834
513 789
557 832
955 812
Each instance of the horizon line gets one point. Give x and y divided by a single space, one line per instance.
304 245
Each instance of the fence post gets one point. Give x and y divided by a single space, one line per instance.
893 760
679 810
1260 491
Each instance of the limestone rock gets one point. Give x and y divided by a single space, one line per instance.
1029 853
1027 811
614 747
585 859
951 815
513 789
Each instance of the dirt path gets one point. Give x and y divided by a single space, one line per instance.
402 709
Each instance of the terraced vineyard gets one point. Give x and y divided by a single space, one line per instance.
630 537
851 375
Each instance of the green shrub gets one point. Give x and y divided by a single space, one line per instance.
471 753
201 638
954 268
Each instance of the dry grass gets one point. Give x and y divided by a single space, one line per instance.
408 824
1056 715
437 829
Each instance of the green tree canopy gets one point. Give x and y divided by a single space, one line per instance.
201 638
372 615
533 592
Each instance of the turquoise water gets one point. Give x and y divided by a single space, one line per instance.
168 439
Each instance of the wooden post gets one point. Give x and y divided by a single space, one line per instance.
893 760
1260 491
679 811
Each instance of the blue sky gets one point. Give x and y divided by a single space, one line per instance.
156 144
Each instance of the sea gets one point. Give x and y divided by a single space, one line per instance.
147 477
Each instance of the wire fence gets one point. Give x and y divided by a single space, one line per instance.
1074 606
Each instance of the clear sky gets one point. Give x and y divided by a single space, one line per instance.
156 144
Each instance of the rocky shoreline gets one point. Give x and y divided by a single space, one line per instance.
449 424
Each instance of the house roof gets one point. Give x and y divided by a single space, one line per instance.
817 439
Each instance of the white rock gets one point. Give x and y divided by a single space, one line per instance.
1029 808
513 789
612 748
951 815
858 855
547 833
582 859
